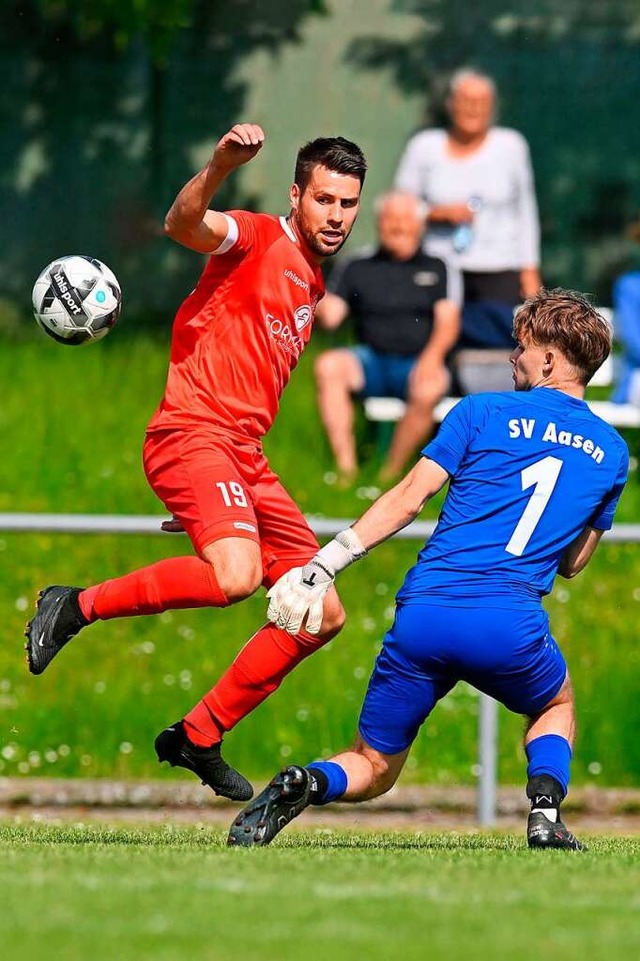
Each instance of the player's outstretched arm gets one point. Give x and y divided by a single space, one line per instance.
399 506
299 594
189 220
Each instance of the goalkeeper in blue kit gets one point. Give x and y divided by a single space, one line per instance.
534 479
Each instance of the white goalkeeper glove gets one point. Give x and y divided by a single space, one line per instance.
300 592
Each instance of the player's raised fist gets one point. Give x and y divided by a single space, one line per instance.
239 145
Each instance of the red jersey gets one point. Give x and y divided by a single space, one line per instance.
239 334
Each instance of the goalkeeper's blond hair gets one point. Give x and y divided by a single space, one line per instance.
567 320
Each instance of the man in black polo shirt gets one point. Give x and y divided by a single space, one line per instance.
405 306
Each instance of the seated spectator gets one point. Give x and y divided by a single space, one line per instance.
626 318
405 308
477 183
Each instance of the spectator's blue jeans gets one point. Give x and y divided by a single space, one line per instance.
385 375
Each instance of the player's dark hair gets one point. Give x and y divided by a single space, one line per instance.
335 153
567 320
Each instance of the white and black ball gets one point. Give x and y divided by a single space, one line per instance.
76 300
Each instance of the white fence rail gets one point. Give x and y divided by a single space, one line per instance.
323 527
150 524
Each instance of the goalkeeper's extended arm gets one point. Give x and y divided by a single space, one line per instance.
300 592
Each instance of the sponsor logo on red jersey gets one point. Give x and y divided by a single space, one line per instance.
298 281
284 336
302 316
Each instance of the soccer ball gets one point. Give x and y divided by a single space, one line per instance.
76 300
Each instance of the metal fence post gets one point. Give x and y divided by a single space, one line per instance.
487 760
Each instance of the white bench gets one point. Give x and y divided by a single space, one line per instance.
482 370
389 409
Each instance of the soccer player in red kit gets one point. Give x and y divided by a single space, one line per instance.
236 339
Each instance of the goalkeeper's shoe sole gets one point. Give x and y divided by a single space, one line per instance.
58 618
207 763
283 799
543 833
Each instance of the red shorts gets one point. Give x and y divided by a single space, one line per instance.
219 485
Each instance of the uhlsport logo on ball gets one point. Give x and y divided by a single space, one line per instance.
76 300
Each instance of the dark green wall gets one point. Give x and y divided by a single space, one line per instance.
94 143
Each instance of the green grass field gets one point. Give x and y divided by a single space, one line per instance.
76 892
72 422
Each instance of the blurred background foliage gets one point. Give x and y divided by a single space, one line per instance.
107 107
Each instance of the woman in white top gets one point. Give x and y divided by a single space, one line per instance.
477 183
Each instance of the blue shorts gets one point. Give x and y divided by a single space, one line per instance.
385 375
504 652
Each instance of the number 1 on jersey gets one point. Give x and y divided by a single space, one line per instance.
542 476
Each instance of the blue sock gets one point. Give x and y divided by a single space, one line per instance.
330 781
549 754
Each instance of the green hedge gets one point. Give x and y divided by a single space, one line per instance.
72 423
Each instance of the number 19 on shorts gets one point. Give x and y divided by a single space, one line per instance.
232 494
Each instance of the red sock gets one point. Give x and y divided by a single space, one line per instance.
256 672
177 582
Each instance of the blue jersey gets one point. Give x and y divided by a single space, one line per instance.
529 471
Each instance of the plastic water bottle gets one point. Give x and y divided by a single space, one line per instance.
462 237
463 233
